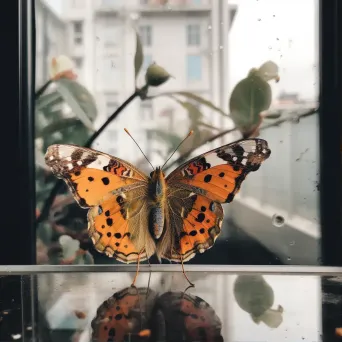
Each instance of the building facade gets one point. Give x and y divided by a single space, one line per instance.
189 38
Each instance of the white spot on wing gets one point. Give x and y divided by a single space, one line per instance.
213 159
69 166
79 163
51 158
99 163
68 158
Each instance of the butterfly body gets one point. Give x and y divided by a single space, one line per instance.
132 216
157 201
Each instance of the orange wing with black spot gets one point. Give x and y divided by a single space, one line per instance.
90 174
124 316
116 193
196 190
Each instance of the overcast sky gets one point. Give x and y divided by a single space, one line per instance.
284 31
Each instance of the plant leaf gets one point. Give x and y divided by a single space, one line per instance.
249 98
48 100
79 99
57 127
199 99
139 56
195 115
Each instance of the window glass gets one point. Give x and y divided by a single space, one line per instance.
227 71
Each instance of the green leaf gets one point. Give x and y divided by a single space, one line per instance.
199 99
249 98
195 115
48 100
57 127
79 99
139 55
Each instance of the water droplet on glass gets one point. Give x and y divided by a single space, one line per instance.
270 47
289 258
221 47
278 220
259 19
292 243
209 27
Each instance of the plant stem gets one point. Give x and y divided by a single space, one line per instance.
41 90
54 191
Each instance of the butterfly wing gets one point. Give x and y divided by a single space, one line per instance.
195 191
118 225
179 317
124 316
116 193
90 174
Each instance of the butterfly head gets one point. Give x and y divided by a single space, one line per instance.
157 182
157 173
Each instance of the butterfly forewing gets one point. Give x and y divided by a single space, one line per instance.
90 174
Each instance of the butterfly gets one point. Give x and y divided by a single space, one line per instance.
133 216
140 314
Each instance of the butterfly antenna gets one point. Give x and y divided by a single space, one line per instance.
126 130
190 133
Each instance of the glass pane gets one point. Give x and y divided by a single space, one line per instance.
224 70
223 306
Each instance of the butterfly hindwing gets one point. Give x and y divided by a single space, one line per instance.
194 222
209 179
118 225
90 174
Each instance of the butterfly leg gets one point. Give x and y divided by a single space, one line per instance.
190 283
137 271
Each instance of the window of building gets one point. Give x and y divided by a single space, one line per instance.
78 62
146 35
194 67
78 32
193 35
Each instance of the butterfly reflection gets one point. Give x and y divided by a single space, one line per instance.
140 314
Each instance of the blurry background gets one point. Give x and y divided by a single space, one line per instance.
207 47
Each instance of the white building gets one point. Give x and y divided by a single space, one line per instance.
189 38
